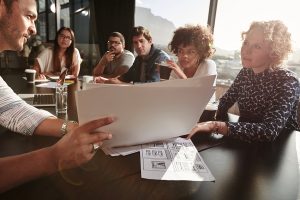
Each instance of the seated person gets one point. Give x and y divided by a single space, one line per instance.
144 68
117 60
64 55
193 47
267 93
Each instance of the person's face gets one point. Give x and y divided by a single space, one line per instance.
187 56
17 25
141 45
255 51
64 39
115 45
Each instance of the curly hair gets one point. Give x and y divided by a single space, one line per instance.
199 36
277 35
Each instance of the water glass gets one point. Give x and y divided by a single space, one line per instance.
61 96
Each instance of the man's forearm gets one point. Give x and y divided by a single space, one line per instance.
98 70
52 127
15 170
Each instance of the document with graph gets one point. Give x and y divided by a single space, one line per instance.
173 159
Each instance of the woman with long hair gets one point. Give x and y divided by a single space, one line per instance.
63 55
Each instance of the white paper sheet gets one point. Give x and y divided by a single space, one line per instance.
199 81
50 85
145 114
173 159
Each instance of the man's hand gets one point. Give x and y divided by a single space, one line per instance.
109 56
76 147
100 79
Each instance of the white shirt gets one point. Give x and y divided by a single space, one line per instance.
45 60
206 67
16 114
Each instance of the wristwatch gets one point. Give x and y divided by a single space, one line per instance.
64 127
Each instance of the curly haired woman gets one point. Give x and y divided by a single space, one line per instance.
267 93
193 47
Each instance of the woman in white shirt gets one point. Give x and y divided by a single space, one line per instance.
64 55
193 47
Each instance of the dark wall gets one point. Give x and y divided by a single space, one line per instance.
110 16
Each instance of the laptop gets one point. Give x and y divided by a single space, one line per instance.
39 100
44 100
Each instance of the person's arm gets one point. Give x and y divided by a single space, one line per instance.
278 110
179 73
100 79
75 68
52 127
209 127
229 98
37 68
106 58
126 61
74 149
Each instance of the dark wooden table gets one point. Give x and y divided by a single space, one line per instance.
242 171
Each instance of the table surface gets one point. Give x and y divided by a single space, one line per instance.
242 171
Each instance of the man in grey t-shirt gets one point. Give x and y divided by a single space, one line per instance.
116 61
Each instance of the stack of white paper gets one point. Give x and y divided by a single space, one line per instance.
146 112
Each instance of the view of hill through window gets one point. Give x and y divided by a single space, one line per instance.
162 17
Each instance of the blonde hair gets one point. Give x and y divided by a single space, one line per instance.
277 35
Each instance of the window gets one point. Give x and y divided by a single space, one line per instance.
234 17
161 18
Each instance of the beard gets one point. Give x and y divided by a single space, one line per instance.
10 33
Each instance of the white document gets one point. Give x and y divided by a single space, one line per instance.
145 114
173 159
199 81
121 151
50 85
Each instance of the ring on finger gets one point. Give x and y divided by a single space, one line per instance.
95 148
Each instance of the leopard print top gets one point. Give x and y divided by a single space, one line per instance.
268 103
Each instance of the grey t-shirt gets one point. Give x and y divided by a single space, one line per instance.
126 60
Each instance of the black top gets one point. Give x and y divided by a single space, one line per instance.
267 101
151 72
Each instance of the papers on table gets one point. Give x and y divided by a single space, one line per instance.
56 77
121 151
174 159
146 112
38 80
50 85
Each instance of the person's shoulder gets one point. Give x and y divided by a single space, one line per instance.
127 53
162 53
285 74
208 62
76 50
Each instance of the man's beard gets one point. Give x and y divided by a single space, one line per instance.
9 32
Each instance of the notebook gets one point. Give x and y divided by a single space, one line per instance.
39 100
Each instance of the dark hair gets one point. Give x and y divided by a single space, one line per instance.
119 35
8 4
139 30
199 36
68 54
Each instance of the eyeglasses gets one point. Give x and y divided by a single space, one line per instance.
65 37
113 42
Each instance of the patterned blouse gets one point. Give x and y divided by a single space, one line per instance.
268 103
